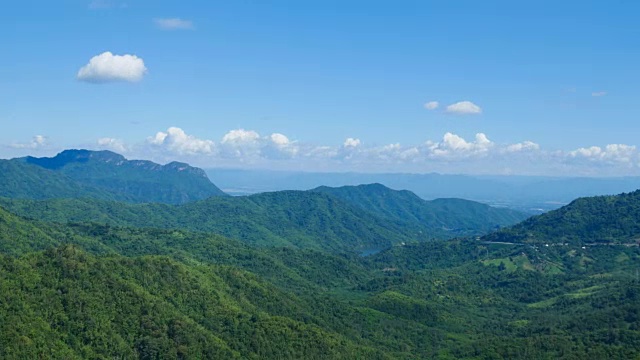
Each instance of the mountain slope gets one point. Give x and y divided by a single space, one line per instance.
24 181
66 303
104 175
450 217
600 219
129 306
288 218
211 297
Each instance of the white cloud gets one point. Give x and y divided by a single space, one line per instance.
279 139
464 108
174 24
589 152
279 146
112 144
453 145
240 136
36 142
321 152
523 146
393 153
176 140
352 143
598 93
431 105
108 67
619 153
451 154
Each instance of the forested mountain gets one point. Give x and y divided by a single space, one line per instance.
600 219
449 217
21 180
103 175
287 218
72 305
104 292
95 278
361 218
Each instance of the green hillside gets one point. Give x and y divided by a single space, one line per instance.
103 175
64 303
592 220
97 291
25 181
446 217
288 218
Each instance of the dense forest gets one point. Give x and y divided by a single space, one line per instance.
100 291
458 217
321 220
281 276
593 220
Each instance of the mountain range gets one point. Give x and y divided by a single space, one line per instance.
103 175
364 218
531 194
278 275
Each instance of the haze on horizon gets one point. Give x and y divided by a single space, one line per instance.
459 87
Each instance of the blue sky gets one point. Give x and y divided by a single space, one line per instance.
542 87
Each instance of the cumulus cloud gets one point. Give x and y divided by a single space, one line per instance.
351 143
453 145
112 144
464 108
108 67
240 136
598 93
431 105
174 24
176 140
451 154
248 145
523 146
619 153
36 142
279 146
392 153
279 139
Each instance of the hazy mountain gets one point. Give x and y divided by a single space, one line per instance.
533 194
103 175
457 216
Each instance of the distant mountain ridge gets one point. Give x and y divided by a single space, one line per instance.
103 175
286 218
320 219
68 157
533 194
452 217
590 220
